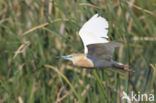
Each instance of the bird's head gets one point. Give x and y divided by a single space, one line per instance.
72 57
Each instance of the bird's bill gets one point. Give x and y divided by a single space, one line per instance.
64 57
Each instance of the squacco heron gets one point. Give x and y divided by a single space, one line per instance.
98 51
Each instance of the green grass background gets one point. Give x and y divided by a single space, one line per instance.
33 32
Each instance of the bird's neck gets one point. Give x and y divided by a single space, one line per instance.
83 61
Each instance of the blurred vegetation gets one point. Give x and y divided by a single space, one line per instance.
33 32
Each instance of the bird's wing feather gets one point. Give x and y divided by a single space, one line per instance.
94 31
102 51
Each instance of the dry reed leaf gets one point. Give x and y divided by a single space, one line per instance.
144 38
81 82
85 90
88 4
58 44
43 25
20 100
139 8
130 25
21 49
63 97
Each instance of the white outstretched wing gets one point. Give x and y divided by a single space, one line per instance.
94 31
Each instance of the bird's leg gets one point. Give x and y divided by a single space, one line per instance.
121 66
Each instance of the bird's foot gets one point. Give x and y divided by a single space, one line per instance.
126 68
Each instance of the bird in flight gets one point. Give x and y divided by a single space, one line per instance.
98 51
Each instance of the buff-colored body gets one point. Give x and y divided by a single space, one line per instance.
82 61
